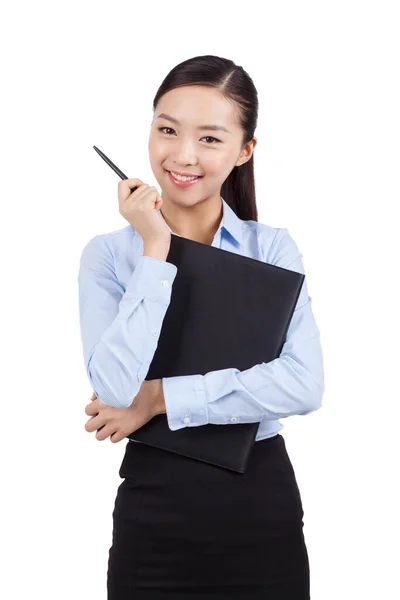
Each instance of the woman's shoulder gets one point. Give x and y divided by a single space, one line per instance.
107 244
276 243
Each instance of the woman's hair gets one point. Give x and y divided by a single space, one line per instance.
238 190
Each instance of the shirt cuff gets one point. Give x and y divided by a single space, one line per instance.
185 401
151 279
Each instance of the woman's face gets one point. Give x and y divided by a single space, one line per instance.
190 147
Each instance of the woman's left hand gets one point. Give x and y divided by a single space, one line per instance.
118 423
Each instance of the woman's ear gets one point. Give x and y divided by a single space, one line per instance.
247 152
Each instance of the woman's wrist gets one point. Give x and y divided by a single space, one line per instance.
159 399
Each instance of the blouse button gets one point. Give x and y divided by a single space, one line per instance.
165 282
186 420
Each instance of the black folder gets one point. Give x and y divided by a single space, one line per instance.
226 310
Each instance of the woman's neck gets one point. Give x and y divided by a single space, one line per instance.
199 227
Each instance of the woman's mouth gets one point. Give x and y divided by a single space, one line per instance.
183 183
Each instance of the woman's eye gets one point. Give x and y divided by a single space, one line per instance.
161 129
210 137
213 138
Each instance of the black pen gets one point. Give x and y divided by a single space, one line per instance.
114 167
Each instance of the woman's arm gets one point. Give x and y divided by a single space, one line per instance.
292 384
120 328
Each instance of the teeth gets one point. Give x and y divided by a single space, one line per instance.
181 178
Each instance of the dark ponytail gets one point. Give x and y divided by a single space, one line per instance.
238 190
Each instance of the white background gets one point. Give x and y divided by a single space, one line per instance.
79 74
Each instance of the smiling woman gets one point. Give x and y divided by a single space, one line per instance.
183 528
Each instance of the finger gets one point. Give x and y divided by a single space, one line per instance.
105 431
128 184
117 436
92 408
139 193
126 187
94 423
93 396
149 192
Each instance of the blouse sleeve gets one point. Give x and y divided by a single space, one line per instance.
120 328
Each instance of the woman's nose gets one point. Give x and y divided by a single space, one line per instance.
185 154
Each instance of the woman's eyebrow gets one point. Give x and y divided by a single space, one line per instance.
200 127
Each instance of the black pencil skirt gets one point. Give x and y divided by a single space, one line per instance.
186 530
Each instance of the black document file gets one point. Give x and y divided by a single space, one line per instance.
226 310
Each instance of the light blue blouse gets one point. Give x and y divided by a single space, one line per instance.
123 298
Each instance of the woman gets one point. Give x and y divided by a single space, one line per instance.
183 528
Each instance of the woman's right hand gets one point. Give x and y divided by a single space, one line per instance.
140 210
